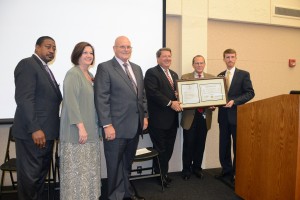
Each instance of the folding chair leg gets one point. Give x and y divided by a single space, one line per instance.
161 176
12 180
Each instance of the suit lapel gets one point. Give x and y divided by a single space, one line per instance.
234 78
191 76
55 88
164 77
122 73
137 77
174 77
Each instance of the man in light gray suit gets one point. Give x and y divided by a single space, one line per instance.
122 109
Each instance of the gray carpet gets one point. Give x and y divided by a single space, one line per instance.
207 188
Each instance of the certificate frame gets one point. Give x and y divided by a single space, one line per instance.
203 92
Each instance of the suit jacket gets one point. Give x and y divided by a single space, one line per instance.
241 91
116 100
188 114
38 100
159 93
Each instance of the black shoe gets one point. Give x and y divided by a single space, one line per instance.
163 181
167 179
134 197
186 177
198 173
220 176
233 180
165 184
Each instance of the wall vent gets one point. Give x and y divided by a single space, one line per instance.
287 12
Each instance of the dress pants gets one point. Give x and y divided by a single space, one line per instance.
227 131
163 141
33 164
194 144
119 155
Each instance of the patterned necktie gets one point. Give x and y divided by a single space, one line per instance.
169 78
130 77
228 80
200 110
51 75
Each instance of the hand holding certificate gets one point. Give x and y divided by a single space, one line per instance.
202 92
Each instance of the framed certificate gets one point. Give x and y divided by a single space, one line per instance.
202 92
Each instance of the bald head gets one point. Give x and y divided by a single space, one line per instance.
122 48
120 39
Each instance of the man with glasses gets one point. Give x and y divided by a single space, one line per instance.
195 124
122 110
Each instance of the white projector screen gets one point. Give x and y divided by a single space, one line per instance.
68 22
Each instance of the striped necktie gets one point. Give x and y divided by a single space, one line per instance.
169 78
200 110
130 77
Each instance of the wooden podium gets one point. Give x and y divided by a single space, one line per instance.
268 149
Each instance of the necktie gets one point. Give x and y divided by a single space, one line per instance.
169 78
130 77
228 79
200 110
51 75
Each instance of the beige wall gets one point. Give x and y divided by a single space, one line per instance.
258 11
263 49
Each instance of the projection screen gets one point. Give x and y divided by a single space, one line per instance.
98 22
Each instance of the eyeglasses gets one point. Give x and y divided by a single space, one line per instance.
125 47
199 63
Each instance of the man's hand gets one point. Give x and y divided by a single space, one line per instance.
110 133
176 106
229 104
39 138
212 108
145 124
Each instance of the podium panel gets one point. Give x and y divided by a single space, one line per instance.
268 149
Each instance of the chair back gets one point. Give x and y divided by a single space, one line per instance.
9 140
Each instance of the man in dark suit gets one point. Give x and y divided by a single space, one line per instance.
240 91
195 124
36 121
122 109
163 109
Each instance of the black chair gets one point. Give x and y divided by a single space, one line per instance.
9 166
149 155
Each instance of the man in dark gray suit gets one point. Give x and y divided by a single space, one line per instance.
36 121
240 91
122 109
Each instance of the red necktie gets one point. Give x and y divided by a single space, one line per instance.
200 110
169 78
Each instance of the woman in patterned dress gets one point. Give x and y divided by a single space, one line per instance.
79 133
